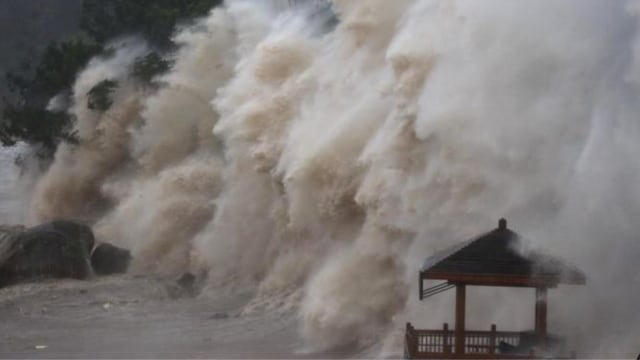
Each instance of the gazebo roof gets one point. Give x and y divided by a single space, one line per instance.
496 259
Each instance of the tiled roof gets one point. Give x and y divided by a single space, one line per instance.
498 255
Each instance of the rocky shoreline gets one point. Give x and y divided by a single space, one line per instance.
60 249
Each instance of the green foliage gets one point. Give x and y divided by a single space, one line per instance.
99 97
36 126
56 71
25 117
148 67
60 64
154 19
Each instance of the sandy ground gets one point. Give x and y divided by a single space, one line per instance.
133 317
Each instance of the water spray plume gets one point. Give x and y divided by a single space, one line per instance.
319 168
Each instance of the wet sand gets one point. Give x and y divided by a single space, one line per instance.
133 317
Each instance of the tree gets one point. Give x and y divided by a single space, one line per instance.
55 72
153 19
60 64
25 116
99 97
37 126
147 67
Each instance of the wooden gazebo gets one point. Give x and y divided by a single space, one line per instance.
493 259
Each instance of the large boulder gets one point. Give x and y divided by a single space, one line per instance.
185 286
8 237
108 259
70 229
53 250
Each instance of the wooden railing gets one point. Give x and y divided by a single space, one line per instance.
493 344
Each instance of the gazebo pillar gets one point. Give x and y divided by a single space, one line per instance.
541 316
461 295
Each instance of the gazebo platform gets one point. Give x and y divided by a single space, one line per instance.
493 259
492 344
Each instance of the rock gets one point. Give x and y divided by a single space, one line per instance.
185 286
11 228
71 229
187 281
8 238
219 316
46 251
108 259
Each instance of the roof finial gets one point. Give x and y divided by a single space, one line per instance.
502 224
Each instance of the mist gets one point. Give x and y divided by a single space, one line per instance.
319 166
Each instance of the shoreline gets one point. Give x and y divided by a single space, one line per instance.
133 317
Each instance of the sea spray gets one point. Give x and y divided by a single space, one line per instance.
319 168
178 169
72 187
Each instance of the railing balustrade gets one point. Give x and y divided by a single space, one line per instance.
425 344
